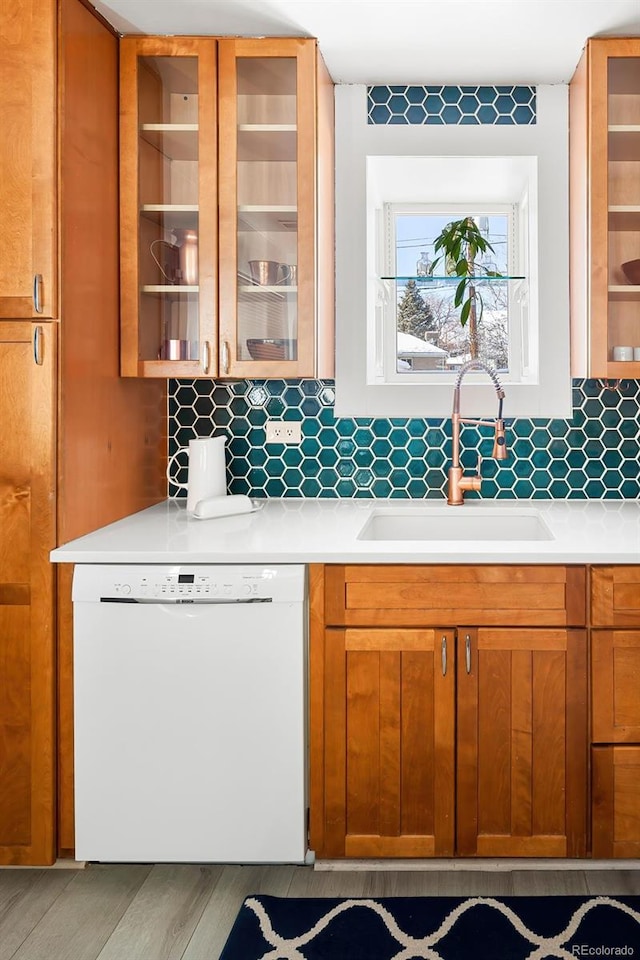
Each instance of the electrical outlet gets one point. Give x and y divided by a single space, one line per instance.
283 431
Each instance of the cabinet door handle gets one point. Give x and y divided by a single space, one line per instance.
37 346
206 356
225 356
467 653
37 293
444 656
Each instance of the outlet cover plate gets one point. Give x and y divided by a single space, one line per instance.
283 431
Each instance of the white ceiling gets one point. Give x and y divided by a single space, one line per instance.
404 41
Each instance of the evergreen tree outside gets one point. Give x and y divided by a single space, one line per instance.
414 315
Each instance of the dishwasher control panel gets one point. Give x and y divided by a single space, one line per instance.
149 583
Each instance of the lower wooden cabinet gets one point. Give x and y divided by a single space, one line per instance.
521 722
389 743
615 806
615 755
27 626
439 741
615 669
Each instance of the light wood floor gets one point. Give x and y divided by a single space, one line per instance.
167 912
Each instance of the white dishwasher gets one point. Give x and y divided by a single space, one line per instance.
190 713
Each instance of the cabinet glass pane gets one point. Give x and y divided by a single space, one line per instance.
624 207
168 208
267 209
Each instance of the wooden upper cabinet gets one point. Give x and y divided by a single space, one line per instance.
27 534
615 596
604 133
276 209
226 208
28 159
521 742
475 595
168 206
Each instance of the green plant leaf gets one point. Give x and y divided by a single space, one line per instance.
464 313
462 268
459 293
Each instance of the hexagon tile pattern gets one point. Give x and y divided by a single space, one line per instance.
594 455
451 105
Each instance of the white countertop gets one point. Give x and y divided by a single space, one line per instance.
326 531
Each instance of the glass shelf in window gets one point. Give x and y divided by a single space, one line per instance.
452 280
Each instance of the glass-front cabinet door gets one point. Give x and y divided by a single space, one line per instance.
168 207
267 182
623 189
605 209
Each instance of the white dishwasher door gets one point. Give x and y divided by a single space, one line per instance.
190 714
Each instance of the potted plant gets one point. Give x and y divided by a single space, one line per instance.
459 244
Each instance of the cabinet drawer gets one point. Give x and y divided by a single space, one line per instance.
415 595
615 667
616 811
615 596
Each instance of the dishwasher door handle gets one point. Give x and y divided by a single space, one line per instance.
171 601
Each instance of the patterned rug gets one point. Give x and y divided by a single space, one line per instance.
437 928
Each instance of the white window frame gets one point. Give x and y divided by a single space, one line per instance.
387 371
358 292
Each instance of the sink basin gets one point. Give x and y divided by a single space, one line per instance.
455 523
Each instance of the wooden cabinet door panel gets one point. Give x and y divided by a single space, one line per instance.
27 531
28 157
615 671
521 744
389 743
615 596
494 595
615 807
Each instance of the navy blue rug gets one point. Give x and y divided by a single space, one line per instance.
436 928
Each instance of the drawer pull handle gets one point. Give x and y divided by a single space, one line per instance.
444 656
467 652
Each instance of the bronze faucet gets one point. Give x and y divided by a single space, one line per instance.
458 483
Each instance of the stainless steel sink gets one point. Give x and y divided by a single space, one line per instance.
455 523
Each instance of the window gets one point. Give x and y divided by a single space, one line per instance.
423 336
395 186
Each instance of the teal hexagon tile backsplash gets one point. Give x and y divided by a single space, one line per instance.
593 455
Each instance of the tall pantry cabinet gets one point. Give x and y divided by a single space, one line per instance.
79 447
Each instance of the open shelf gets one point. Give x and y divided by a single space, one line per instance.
177 215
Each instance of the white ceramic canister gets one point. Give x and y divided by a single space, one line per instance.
207 470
